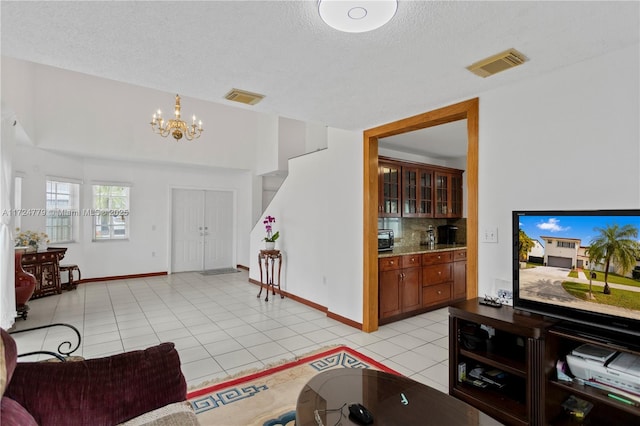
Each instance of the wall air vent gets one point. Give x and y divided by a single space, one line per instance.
243 96
496 63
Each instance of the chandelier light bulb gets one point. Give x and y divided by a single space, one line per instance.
357 16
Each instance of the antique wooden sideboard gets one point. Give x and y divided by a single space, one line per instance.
45 266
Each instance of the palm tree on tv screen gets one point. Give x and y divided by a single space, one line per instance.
525 244
618 244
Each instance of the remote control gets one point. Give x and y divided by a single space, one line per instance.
490 303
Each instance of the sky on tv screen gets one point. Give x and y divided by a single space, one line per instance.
577 227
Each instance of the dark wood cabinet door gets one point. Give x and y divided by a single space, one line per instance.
425 189
442 194
390 179
459 280
411 289
389 294
456 195
417 192
410 195
448 194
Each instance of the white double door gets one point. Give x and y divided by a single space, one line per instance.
202 230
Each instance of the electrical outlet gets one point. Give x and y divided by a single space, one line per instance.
505 294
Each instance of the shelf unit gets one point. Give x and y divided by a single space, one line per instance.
605 410
527 347
515 347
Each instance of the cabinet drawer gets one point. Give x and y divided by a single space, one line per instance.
436 274
29 258
435 294
439 257
48 257
389 263
411 260
459 255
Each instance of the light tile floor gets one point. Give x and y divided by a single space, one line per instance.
220 328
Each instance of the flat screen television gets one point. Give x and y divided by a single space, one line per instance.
559 266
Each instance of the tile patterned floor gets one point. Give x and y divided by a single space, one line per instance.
221 328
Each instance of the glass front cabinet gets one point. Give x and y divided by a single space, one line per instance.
389 186
418 190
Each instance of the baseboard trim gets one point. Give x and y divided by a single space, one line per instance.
323 309
122 277
246 268
344 320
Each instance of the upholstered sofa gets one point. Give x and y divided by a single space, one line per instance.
133 388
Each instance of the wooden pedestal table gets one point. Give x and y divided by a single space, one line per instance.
267 260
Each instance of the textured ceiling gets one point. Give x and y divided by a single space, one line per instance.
306 69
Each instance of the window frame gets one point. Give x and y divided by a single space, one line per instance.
70 212
116 213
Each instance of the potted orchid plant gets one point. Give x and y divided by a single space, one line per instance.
270 239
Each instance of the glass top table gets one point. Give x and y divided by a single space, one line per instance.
392 400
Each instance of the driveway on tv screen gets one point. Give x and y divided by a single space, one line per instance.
544 283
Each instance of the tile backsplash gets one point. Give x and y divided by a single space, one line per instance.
412 231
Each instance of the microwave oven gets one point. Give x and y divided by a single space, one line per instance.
385 239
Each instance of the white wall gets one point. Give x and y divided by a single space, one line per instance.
94 117
150 207
566 140
318 212
18 95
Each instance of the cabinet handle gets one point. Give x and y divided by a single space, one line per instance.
391 262
439 292
439 272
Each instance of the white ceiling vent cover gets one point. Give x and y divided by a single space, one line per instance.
496 63
244 97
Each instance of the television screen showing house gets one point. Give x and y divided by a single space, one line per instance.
589 262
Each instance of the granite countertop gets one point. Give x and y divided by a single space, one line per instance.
402 250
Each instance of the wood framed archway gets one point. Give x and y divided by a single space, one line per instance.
464 110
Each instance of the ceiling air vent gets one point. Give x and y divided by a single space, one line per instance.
243 96
496 63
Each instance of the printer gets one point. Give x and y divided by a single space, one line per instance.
607 367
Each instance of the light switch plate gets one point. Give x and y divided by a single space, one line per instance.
490 235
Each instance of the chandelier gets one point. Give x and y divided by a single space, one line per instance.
175 126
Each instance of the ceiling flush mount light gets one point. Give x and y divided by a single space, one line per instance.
175 126
357 16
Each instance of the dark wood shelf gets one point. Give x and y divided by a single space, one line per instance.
490 400
595 395
534 395
515 347
508 365
561 340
